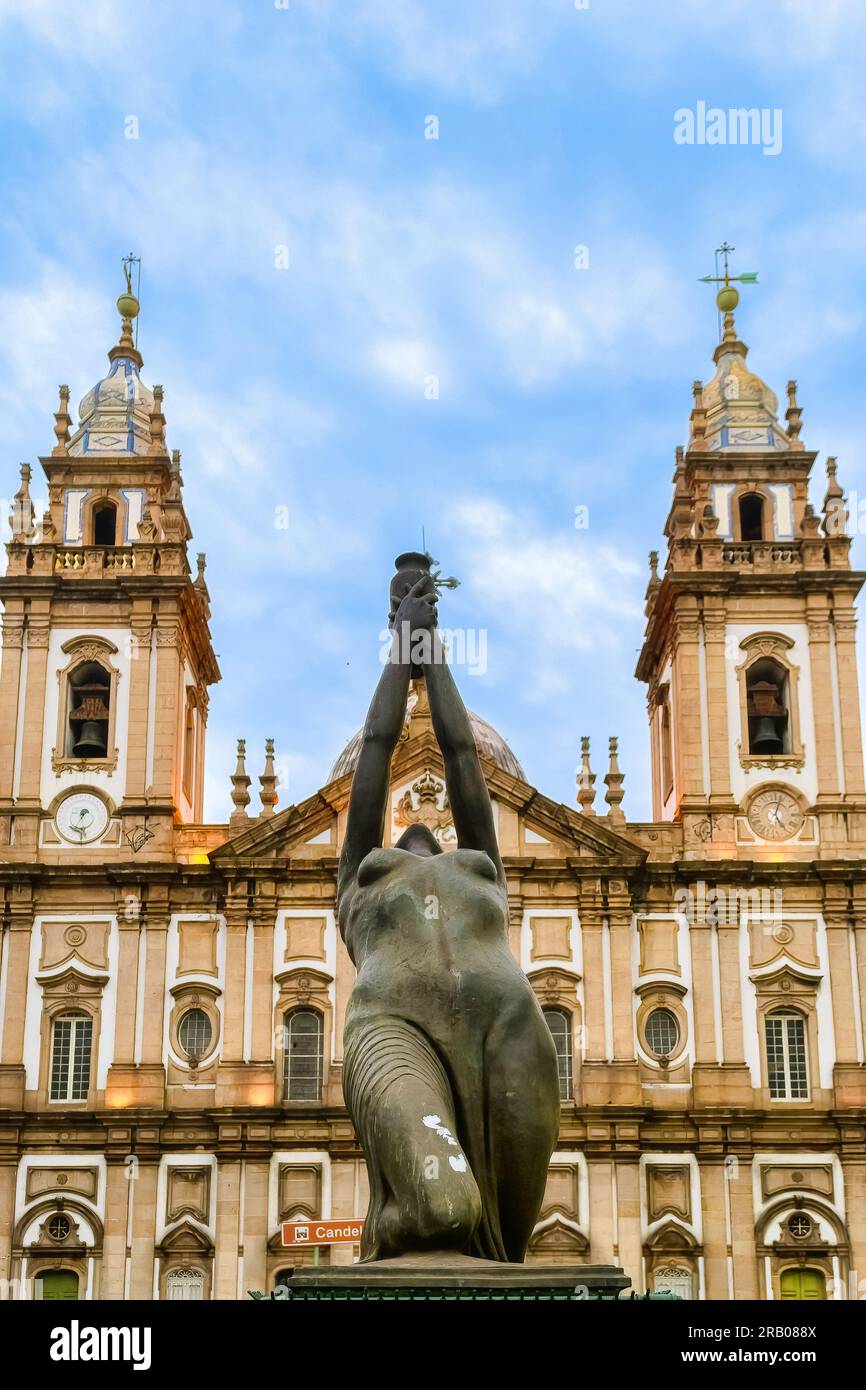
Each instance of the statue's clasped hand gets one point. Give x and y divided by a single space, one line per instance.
417 607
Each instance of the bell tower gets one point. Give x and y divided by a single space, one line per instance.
107 654
749 649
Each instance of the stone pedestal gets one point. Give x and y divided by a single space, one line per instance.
448 1277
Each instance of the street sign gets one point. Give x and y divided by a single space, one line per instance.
323 1232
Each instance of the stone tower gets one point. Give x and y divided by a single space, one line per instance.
107 655
749 651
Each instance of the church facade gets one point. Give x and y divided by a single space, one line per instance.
172 993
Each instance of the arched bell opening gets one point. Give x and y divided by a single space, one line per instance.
105 524
751 509
767 705
88 711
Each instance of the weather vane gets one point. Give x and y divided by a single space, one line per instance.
728 296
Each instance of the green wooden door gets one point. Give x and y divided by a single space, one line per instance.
803 1284
58 1283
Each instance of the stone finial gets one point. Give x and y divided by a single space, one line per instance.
240 787
21 519
157 423
268 780
793 414
681 516
62 422
200 585
613 781
585 780
653 585
835 511
699 415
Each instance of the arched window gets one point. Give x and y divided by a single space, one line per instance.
767 707
195 1033
185 1284
559 1023
303 1040
105 524
662 1033
673 1279
88 711
751 517
71 1043
787 1072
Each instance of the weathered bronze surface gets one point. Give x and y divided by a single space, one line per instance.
450 1072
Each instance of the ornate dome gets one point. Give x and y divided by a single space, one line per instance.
114 416
488 742
741 410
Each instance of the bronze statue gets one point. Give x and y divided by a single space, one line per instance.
450 1072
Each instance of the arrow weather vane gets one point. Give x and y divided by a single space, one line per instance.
728 296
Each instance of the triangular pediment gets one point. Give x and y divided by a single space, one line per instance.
549 828
185 1239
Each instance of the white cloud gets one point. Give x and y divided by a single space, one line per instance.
547 597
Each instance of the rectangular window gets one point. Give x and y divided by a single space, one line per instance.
70 1057
786 1057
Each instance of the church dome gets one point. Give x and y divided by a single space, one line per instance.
114 416
741 410
489 743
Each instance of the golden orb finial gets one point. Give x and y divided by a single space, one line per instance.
728 298
127 305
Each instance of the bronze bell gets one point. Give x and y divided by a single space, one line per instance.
91 741
766 738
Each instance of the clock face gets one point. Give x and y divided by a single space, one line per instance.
775 815
81 818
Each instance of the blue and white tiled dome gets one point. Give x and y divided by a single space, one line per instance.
114 416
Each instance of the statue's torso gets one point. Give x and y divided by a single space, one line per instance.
428 935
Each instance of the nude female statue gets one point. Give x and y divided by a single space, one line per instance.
450 1072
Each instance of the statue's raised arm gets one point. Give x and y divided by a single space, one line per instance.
467 790
415 613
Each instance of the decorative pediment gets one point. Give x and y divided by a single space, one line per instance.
554 986
786 979
185 1239
75 980
558 1232
671 1235
306 830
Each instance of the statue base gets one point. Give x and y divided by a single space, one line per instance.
446 1276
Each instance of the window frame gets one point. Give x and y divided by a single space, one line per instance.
292 1013
177 1273
566 1072
748 495
77 1018
674 1051
757 647
81 651
194 1058
787 1016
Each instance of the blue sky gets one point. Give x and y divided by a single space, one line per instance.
303 127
